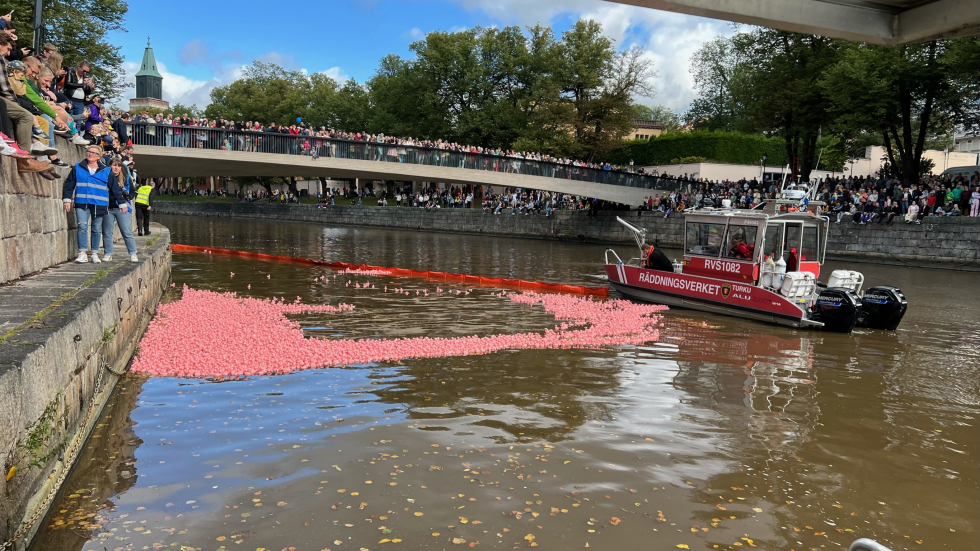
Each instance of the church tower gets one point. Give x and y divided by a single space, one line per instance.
149 84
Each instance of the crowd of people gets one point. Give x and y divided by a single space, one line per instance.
249 136
865 199
43 99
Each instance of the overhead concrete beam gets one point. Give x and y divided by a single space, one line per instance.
942 19
857 20
172 162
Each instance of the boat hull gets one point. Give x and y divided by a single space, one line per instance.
708 295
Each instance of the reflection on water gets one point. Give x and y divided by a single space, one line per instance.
725 433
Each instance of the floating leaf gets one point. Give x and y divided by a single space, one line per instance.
615 521
682 546
458 541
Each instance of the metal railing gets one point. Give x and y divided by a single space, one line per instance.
196 137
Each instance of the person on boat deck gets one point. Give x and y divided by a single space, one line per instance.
655 259
739 249
793 263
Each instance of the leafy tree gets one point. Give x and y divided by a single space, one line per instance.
766 81
79 28
906 94
266 92
716 65
670 120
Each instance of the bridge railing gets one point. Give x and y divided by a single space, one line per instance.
196 137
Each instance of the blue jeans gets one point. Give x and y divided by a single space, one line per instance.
50 129
125 221
77 106
84 214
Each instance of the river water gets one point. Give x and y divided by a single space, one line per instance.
724 434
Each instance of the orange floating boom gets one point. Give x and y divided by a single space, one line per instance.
518 284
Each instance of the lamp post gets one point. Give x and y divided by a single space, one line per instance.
765 157
38 26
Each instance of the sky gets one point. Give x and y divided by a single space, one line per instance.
202 44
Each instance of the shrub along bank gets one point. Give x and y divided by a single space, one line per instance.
718 146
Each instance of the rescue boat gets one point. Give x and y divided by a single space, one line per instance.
761 264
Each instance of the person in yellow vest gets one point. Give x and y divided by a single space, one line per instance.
144 204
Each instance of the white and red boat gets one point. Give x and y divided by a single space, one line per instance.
762 265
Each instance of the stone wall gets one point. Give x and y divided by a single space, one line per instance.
58 369
939 242
34 229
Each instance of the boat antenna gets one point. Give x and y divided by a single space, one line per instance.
639 234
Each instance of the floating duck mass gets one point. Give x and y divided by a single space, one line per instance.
258 339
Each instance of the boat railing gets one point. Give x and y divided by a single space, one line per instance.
864 544
631 262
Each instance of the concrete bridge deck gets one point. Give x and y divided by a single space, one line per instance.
161 161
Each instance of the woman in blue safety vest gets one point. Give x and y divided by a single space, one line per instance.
88 181
119 212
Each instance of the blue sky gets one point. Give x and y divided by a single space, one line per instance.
203 44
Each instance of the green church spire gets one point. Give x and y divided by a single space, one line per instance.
149 66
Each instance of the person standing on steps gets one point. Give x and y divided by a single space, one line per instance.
88 181
144 204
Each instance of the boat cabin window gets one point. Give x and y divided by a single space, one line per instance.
773 240
704 239
809 250
741 242
793 239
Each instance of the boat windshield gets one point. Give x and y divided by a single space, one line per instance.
793 238
741 242
809 250
704 239
773 240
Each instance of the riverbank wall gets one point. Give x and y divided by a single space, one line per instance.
939 242
66 336
35 233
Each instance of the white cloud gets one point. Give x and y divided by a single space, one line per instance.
286 61
337 74
669 39
415 34
179 88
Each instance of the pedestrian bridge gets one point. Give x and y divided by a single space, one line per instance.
177 151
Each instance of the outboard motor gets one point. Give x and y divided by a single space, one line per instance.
882 308
838 308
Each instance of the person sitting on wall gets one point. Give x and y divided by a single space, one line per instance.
655 259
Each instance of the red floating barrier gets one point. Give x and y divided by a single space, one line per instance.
445 276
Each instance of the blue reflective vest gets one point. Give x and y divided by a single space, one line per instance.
91 189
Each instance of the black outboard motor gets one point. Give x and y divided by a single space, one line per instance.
838 308
882 308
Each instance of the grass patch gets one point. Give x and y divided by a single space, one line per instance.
37 443
109 333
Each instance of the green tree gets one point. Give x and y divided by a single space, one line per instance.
266 92
715 66
670 120
907 94
79 28
766 81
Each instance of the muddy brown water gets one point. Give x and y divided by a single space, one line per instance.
724 434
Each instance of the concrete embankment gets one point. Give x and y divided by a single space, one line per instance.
65 336
34 231
952 243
